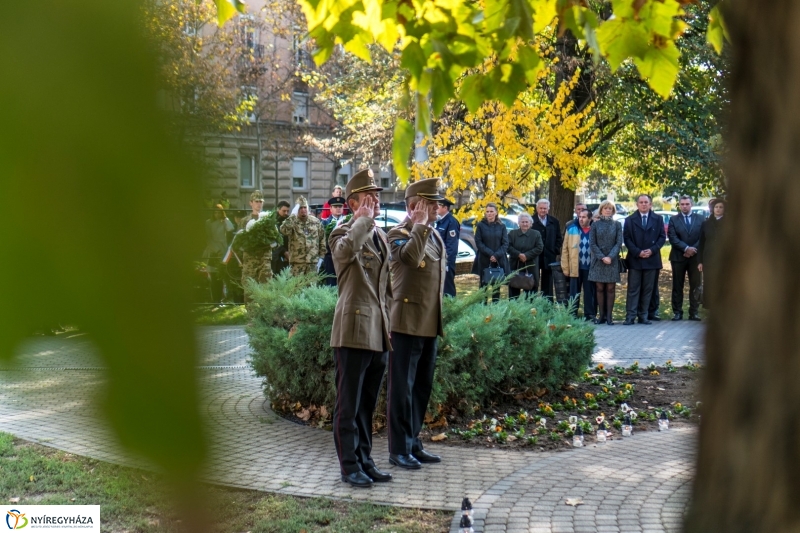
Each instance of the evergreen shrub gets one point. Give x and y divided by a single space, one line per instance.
489 354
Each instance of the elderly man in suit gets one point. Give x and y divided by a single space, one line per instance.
360 335
644 236
684 236
418 266
550 228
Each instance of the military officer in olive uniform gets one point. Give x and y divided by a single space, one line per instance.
258 266
360 334
306 238
418 266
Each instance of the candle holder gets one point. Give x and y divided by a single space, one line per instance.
663 421
577 437
601 433
627 427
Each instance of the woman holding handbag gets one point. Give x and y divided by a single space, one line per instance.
605 241
524 248
491 241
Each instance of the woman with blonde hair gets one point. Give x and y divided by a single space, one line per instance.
605 241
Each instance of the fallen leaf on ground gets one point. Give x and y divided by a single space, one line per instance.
574 502
304 415
511 438
661 388
440 436
14 500
323 412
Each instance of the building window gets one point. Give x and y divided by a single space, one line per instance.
300 107
247 170
343 176
386 178
299 173
250 96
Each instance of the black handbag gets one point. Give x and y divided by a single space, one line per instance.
623 265
493 274
522 281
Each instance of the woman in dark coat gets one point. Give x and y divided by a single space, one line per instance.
605 241
525 243
707 260
491 241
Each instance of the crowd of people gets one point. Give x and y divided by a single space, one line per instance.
391 286
589 255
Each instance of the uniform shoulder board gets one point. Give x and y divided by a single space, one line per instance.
404 231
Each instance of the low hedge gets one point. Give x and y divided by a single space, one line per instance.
488 352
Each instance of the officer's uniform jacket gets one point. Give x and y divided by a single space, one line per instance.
361 319
418 266
449 230
306 239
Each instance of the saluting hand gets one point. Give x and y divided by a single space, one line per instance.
420 214
365 209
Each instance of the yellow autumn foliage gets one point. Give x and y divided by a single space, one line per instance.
499 153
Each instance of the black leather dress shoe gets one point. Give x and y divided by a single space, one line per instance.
358 479
378 476
654 318
424 457
646 321
628 322
678 316
405 461
694 317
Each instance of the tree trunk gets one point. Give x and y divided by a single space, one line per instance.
748 469
562 201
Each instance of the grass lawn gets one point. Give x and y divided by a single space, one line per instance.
212 315
136 501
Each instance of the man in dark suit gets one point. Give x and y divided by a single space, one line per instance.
552 238
449 229
684 236
644 236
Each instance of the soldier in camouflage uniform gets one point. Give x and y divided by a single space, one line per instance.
306 240
257 267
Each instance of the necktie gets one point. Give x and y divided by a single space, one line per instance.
377 244
644 221
688 221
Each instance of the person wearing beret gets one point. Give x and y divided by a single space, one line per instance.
336 207
418 265
360 333
449 230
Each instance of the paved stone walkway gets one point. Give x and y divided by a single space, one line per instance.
637 484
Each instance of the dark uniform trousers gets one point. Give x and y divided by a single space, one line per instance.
359 377
450 279
414 357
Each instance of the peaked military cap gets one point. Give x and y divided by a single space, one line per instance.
427 189
447 202
256 196
363 181
301 201
336 200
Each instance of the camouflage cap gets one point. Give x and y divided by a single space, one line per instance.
301 201
256 196
427 189
363 181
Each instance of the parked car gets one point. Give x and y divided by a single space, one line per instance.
701 210
468 229
622 210
389 218
666 215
